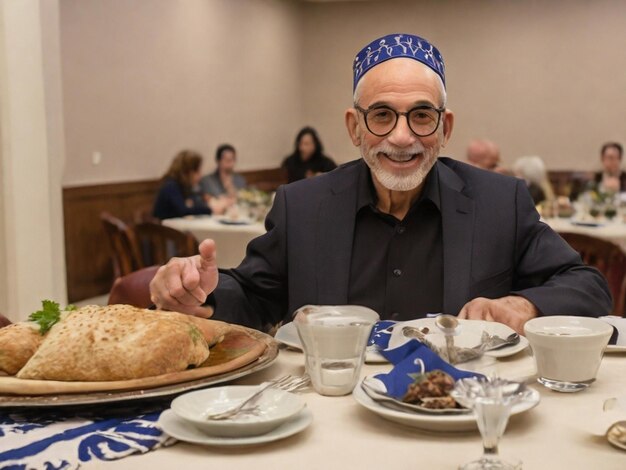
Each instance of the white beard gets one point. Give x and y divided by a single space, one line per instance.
400 180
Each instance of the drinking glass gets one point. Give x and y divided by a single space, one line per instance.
334 340
491 399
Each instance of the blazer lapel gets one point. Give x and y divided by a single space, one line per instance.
334 239
457 221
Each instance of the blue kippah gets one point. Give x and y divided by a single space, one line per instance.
398 45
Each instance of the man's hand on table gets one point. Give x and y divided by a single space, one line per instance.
512 310
183 284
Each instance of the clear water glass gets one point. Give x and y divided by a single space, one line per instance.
491 399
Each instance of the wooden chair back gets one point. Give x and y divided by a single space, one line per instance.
608 258
125 253
159 243
134 288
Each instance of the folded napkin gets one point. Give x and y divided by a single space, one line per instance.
36 439
412 358
619 325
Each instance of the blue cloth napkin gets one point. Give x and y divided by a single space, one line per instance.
413 357
61 440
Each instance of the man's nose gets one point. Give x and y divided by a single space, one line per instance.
402 135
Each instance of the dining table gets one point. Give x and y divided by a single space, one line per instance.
613 231
556 434
231 235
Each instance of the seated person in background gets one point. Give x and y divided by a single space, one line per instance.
308 157
484 154
224 181
612 179
402 230
532 170
175 197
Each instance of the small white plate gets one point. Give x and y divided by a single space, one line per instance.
288 335
615 348
182 430
223 219
469 335
432 422
275 407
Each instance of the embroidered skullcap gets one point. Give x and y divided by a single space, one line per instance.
398 45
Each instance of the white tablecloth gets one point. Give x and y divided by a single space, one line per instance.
345 435
231 240
612 231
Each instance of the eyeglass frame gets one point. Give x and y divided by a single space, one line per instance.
365 112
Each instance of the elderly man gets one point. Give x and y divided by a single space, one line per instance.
484 154
401 230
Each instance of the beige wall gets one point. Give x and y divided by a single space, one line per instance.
31 236
538 77
144 79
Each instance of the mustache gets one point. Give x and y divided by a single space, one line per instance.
392 151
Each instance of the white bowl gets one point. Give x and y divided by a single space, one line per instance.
567 348
274 408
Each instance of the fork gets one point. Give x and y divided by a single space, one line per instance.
289 383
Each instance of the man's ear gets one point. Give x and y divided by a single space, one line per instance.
448 125
352 124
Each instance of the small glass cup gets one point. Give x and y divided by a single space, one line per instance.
491 399
567 349
334 340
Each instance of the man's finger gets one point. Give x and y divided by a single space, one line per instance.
191 280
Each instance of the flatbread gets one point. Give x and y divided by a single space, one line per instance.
18 342
117 342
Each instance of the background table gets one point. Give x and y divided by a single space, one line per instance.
231 240
345 435
612 231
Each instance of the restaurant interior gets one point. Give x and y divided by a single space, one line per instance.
97 97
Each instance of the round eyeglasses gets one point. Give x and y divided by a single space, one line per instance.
422 120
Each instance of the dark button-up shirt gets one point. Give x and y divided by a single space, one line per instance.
397 265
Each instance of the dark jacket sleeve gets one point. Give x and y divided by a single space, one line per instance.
255 293
549 273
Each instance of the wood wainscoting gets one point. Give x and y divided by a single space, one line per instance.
87 252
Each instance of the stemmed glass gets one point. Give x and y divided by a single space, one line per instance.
491 399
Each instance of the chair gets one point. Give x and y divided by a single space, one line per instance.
134 288
158 243
608 258
4 321
125 253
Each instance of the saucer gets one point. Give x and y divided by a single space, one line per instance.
183 430
274 407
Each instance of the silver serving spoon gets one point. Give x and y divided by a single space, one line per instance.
448 325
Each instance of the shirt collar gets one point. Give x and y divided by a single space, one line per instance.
367 193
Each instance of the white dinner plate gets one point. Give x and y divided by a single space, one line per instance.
288 335
615 348
469 334
432 422
223 219
183 430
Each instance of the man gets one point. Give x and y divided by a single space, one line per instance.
611 179
484 154
400 230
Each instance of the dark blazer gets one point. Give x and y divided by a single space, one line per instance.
493 245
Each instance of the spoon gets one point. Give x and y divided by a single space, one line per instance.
448 325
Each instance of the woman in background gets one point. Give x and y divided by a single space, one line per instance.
175 197
224 181
533 171
308 157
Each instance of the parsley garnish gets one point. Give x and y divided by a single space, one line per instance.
48 315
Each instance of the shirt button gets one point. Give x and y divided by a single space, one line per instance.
400 229
397 272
